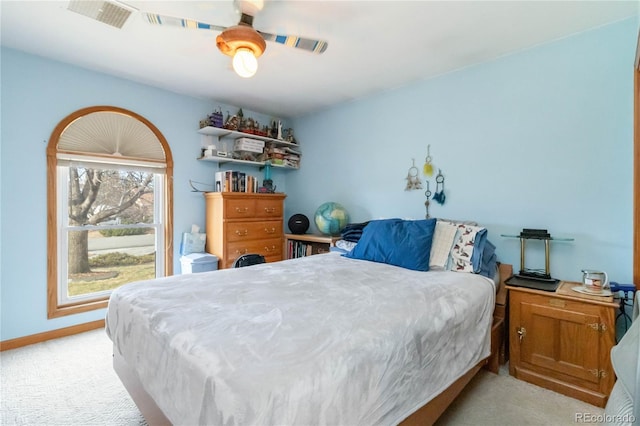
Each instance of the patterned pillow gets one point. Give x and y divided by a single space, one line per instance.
460 222
443 238
469 238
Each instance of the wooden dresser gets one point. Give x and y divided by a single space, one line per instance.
238 223
562 340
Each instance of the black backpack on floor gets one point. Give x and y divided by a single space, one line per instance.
248 260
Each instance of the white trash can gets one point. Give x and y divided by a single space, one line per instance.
198 262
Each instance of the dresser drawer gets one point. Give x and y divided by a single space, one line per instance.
245 231
268 208
240 208
267 248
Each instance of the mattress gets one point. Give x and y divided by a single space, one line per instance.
316 340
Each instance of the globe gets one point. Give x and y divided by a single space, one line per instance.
331 218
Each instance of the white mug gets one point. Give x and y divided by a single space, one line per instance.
595 281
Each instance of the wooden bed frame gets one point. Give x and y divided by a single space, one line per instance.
425 415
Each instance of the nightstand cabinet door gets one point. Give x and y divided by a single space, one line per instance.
560 340
562 344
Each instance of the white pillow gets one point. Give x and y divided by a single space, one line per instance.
443 238
346 245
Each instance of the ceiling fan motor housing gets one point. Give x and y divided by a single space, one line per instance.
240 36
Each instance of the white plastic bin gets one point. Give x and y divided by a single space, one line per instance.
198 262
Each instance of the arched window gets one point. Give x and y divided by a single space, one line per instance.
110 199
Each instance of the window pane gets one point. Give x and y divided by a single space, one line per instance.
103 196
103 260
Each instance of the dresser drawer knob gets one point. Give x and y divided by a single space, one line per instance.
270 249
241 233
244 251
242 210
269 209
270 231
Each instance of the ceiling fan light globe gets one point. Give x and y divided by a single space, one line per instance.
245 63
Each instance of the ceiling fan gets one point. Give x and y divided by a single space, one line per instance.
242 41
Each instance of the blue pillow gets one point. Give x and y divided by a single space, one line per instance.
404 243
489 260
479 244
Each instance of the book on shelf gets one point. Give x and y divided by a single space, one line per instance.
235 181
297 249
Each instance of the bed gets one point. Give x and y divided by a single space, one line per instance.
324 339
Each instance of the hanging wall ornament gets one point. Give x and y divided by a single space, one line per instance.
427 194
427 170
439 196
413 181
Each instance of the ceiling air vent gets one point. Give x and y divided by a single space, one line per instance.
111 13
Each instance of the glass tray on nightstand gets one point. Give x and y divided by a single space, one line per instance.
532 278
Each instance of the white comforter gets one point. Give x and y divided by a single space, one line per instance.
317 340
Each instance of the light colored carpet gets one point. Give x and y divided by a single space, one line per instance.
70 381
499 399
67 381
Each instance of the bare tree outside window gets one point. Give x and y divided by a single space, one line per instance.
98 196
114 200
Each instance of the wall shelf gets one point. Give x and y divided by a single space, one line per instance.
232 134
223 160
219 134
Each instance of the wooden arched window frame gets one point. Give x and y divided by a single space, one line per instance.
59 145
636 169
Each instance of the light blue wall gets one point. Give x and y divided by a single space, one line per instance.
542 138
538 139
36 95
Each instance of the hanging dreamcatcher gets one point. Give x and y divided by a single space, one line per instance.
439 196
427 194
427 170
413 180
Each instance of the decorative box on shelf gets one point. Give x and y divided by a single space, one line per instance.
248 144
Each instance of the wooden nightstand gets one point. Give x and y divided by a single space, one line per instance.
562 340
299 245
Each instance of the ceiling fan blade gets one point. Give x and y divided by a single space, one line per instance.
314 46
157 19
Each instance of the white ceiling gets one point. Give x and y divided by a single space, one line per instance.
373 45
